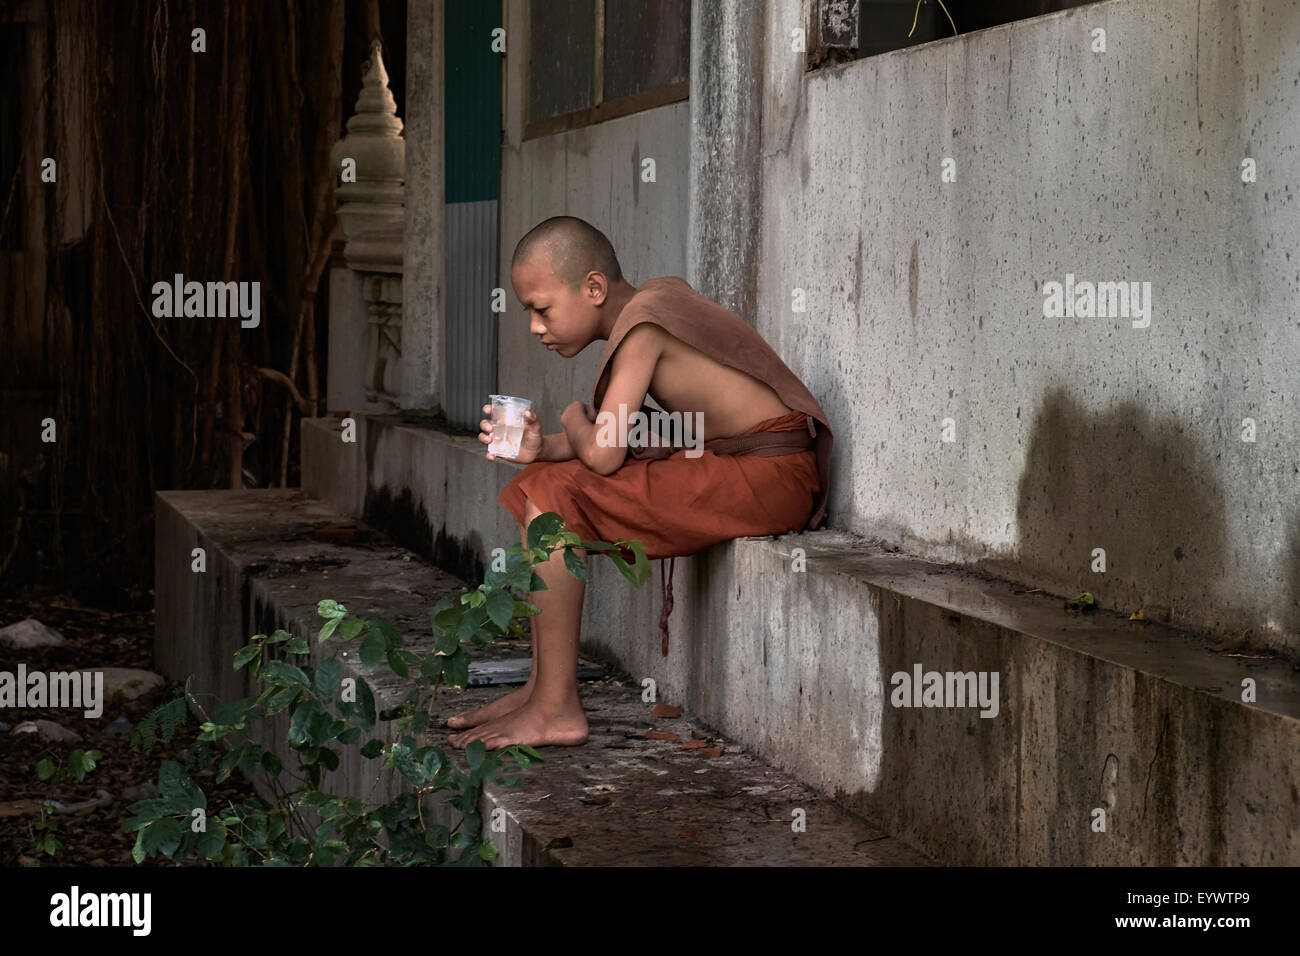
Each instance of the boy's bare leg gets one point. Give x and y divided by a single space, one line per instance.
553 713
507 702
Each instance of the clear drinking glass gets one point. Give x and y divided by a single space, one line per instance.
507 424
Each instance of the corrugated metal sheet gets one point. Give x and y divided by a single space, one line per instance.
473 157
471 323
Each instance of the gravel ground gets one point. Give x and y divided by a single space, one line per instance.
97 637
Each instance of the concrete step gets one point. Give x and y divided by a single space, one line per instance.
620 799
792 654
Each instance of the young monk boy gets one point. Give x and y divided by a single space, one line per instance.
763 469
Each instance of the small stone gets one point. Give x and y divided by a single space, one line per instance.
118 727
48 729
30 633
129 683
141 791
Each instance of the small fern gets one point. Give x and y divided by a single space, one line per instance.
163 721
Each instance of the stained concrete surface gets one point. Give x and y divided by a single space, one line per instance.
620 799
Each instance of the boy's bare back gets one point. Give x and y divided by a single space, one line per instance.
681 378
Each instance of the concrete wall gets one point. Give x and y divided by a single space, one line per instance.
1093 712
594 173
925 301
925 298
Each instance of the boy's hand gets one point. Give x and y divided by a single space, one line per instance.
530 446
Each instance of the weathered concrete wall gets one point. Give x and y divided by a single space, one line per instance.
925 298
594 173
1093 712
925 301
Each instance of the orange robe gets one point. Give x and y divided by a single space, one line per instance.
678 505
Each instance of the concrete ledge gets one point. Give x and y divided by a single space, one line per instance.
1142 721
619 800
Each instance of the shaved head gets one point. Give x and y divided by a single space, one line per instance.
571 247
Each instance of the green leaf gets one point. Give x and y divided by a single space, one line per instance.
300 724
297 646
281 673
471 623
282 698
329 676
431 667
45 770
373 748
246 654
432 761
366 700
327 629
391 635
398 663
622 566
162 836
331 609
518 575
372 650
577 567
449 618
456 669
446 644
211 843
501 607
351 628
271 763
546 523
475 752
137 851
279 637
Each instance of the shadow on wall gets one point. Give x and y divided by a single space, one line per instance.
1136 485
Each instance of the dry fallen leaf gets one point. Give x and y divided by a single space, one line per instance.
711 752
694 744
660 735
667 710
686 833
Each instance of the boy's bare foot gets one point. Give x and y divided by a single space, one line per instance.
498 708
530 724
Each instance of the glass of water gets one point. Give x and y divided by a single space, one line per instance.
507 424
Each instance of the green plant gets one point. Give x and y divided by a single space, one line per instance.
45 832
80 763
46 836
304 824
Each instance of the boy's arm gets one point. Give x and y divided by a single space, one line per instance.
555 448
631 371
